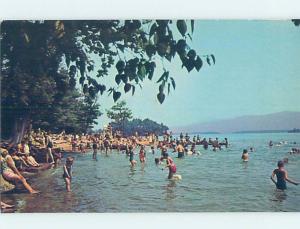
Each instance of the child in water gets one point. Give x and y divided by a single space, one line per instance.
142 154
152 150
282 177
245 155
68 172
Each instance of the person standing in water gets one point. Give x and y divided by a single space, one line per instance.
281 177
106 144
95 148
131 157
68 167
169 164
180 150
142 154
270 143
245 155
152 150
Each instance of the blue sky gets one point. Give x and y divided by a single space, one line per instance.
257 71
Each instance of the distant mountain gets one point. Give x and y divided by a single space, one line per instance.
251 123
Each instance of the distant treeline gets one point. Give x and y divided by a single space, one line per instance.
142 127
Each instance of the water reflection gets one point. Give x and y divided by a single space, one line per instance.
279 195
170 190
132 171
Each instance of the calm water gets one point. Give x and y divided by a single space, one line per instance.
213 181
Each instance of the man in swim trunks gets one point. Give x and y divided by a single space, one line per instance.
282 177
180 150
245 155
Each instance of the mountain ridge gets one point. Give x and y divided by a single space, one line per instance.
285 120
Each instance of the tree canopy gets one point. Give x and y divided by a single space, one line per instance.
42 62
144 127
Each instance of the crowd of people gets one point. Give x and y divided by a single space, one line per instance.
39 148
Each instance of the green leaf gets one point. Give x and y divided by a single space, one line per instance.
208 60
150 75
198 63
161 97
181 26
213 58
116 95
150 50
118 79
133 89
110 90
127 87
169 85
192 25
120 66
155 39
142 71
152 30
163 77
173 82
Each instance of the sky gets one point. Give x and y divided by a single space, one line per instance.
257 71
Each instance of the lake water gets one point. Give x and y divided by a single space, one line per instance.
213 182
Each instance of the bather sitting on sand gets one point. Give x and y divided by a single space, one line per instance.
11 173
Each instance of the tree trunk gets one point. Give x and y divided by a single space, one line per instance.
21 127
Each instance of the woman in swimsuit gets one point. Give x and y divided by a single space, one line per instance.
169 164
131 157
68 167
281 177
142 154
11 173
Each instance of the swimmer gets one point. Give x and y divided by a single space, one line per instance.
281 177
245 155
95 148
270 144
106 144
152 150
157 161
67 175
180 149
171 165
142 154
131 157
